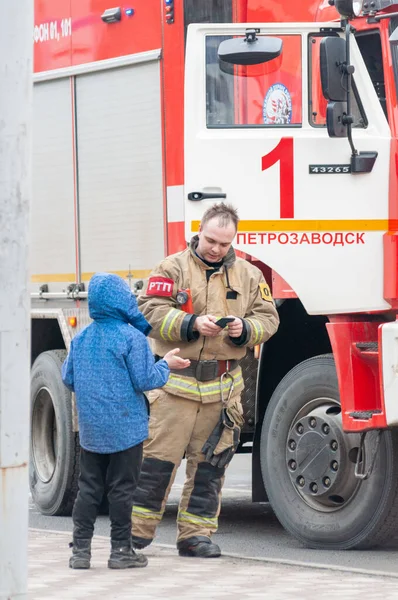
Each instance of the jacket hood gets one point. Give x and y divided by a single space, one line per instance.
109 297
228 260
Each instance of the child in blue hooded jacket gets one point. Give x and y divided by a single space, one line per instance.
109 367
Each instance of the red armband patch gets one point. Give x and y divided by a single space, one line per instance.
160 286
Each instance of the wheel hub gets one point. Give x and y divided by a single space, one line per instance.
44 435
320 458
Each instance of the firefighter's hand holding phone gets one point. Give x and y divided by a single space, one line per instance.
176 362
210 326
235 326
206 326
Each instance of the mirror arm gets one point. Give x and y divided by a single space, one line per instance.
349 70
361 162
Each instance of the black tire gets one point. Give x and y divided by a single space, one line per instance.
54 464
367 515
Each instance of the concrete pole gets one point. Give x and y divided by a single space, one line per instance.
16 48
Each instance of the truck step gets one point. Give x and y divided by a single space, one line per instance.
367 346
364 414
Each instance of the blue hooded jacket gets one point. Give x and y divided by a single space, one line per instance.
109 366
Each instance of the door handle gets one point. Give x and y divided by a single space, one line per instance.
197 196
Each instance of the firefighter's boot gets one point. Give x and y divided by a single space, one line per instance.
198 546
81 553
138 543
123 556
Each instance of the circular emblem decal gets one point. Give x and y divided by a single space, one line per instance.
277 107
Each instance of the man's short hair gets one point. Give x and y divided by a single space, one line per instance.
225 213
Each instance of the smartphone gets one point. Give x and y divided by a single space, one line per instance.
223 322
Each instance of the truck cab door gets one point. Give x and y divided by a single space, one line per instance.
256 137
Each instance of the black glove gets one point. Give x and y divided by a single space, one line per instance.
224 439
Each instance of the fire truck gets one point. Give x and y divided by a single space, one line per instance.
147 113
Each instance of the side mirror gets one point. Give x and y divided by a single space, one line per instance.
251 50
333 57
336 114
336 80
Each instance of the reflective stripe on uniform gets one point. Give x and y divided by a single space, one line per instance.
167 324
256 325
186 517
201 389
145 513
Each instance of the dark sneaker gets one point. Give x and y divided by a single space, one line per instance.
123 557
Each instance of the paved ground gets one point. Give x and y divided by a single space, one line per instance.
247 529
170 576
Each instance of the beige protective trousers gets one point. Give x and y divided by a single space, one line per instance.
178 426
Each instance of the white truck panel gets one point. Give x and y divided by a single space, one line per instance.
389 354
120 169
53 237
334 234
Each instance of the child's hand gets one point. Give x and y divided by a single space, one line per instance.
176 362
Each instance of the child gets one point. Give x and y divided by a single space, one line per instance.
109 366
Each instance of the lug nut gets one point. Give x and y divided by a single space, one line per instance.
334 445
325 428
312 422
326 482
292 444
314 488
299 428
292 465
301 481
334 465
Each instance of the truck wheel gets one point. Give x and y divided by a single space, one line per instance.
54 464
308 464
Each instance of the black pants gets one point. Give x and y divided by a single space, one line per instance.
118 473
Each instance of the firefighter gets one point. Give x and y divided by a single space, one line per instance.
198 412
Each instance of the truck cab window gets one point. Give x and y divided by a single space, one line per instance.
317 103
394 50
207 11
369 44
264 95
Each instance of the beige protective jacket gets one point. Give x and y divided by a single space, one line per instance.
238 289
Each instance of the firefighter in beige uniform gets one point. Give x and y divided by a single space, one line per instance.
186 414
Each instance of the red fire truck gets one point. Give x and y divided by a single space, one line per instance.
147 113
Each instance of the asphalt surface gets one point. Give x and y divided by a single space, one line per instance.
248 530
